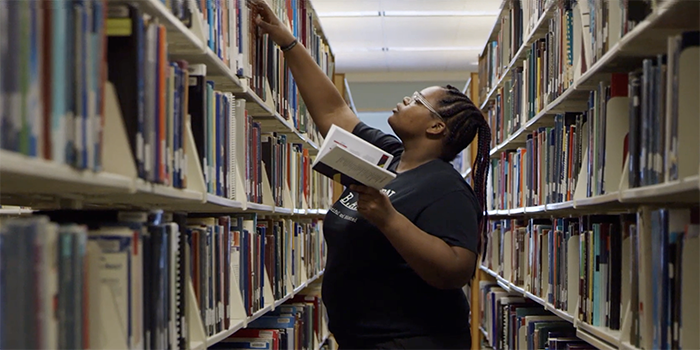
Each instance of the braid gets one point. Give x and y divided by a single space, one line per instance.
479 177
464 120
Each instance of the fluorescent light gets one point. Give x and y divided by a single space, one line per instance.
350 14
358 49
407 49
440 13
434 48
336 14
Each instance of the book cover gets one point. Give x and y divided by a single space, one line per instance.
348 159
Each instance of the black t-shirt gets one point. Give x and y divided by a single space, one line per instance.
369 290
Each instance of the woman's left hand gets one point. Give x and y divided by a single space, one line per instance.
374 205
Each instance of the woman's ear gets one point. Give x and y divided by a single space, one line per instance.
437 128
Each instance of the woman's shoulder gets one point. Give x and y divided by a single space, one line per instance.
442 179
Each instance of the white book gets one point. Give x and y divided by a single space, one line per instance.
232 170
48 282
348 159
109 254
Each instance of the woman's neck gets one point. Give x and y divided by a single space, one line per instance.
414 156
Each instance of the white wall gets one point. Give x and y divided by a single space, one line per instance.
383 96
377 120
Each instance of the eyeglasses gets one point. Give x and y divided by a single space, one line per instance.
417 96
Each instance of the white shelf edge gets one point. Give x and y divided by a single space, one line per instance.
606 335
559 206
177 193
201 345
663 189
535 209
158 9
283 300
517 211
593 340
224 202
536 299
560 313
598 200
4 211
260 207
282 210
625 345
224 334
23 165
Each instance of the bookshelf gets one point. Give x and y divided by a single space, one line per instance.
145 143
570 89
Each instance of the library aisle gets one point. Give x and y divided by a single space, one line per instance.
593 234
157 191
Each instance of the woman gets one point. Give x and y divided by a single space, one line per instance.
398 258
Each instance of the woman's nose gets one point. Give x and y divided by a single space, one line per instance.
406 100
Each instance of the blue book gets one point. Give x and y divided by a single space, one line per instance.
220 122
210 161
282 322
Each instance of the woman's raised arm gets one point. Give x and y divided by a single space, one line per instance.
325 104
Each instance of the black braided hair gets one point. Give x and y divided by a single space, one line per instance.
464 120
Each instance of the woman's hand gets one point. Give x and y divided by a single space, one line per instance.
271 25
374 206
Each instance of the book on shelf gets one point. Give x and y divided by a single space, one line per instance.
591 267
299 323
166 98
122 279
513 322
576 35
594 148
348 159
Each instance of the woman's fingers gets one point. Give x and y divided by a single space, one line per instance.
263 24
265 10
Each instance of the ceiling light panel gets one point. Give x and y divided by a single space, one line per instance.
353 33
361 62
491 14
421 31
335 6
440 5
349 14
474 31
415 61
467 61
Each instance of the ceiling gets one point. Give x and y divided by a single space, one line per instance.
389 36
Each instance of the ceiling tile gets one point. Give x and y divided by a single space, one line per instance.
441 5
475 31
322 6
421 31
346 34
414 42
415 61
467 60
348 62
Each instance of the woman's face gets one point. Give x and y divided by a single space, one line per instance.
417 114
